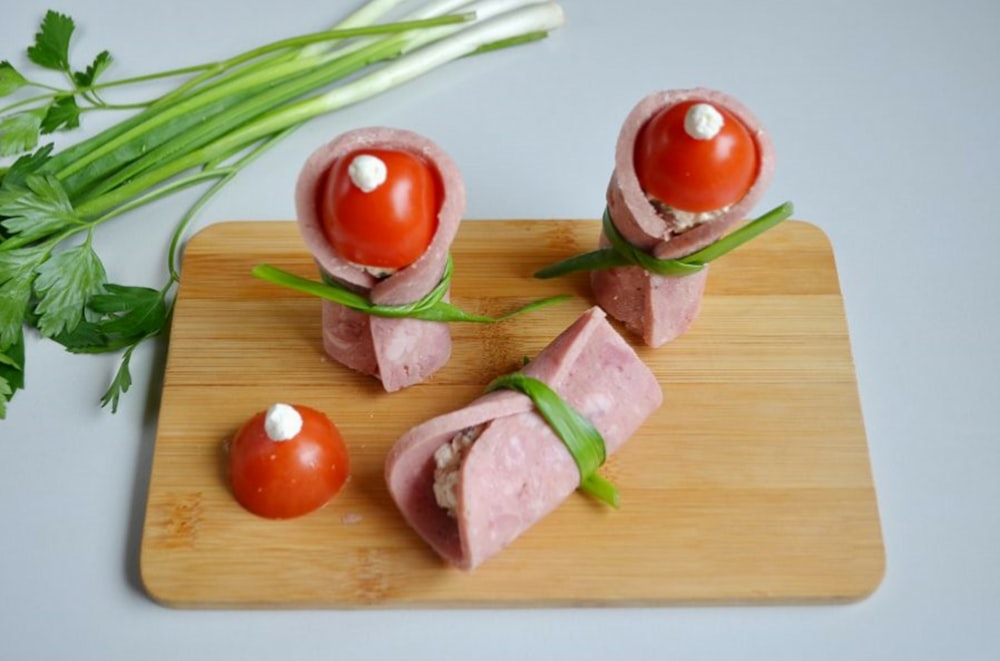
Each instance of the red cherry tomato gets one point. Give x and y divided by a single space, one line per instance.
287 478
389 227
690 174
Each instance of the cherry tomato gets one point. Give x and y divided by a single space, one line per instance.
691 174
390 226
282 479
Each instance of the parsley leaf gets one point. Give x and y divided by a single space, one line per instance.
17 271
63 113
137 311
19 132
121 383
15 262
27 164
125 316
11 371
6 392
65 283
10 79
51 47
14 297
38 209
90 75
121 316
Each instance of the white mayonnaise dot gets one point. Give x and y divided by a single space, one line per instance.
367 172
703 122
282 422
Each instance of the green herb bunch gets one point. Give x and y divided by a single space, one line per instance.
218 118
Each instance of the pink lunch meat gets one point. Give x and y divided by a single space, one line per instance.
517 470
399 352
661 308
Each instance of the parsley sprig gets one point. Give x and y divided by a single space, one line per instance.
56 108
218 118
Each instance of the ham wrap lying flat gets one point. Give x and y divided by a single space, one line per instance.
656 307
399 352
471 481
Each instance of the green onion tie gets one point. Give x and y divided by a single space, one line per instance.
431 307
581 438
623 253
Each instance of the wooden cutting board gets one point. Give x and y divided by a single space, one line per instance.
750 485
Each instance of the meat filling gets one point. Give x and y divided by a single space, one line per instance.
447 466
679 220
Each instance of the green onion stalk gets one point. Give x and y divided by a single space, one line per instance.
218 118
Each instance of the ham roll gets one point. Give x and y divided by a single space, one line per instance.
661 308
399 352
471 481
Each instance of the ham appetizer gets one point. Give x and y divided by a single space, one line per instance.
472 481
689 166
378 209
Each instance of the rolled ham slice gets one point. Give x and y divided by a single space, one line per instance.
399 352
517 470
661 308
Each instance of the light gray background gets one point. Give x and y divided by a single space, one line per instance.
884 115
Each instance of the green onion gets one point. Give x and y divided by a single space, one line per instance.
623 253
584 442
431 307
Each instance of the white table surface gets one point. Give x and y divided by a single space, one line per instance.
884 115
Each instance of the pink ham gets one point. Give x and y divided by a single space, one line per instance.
661 308
518 470
399 352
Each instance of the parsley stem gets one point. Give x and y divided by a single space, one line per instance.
116 106
171 73
27 101
43 86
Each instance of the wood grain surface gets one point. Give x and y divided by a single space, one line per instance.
750 485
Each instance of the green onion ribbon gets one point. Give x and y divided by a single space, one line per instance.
581 438
623 253
431 307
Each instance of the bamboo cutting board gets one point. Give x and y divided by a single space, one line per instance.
751 484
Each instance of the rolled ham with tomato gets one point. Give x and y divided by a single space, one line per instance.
378 209
472 481
689 167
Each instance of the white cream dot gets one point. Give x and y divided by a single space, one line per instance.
282 422
703 121
367 172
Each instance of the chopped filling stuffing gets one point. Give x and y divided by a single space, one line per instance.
375 271
681 221
447 464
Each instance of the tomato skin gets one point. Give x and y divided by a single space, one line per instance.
287 479
690 174
389 227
